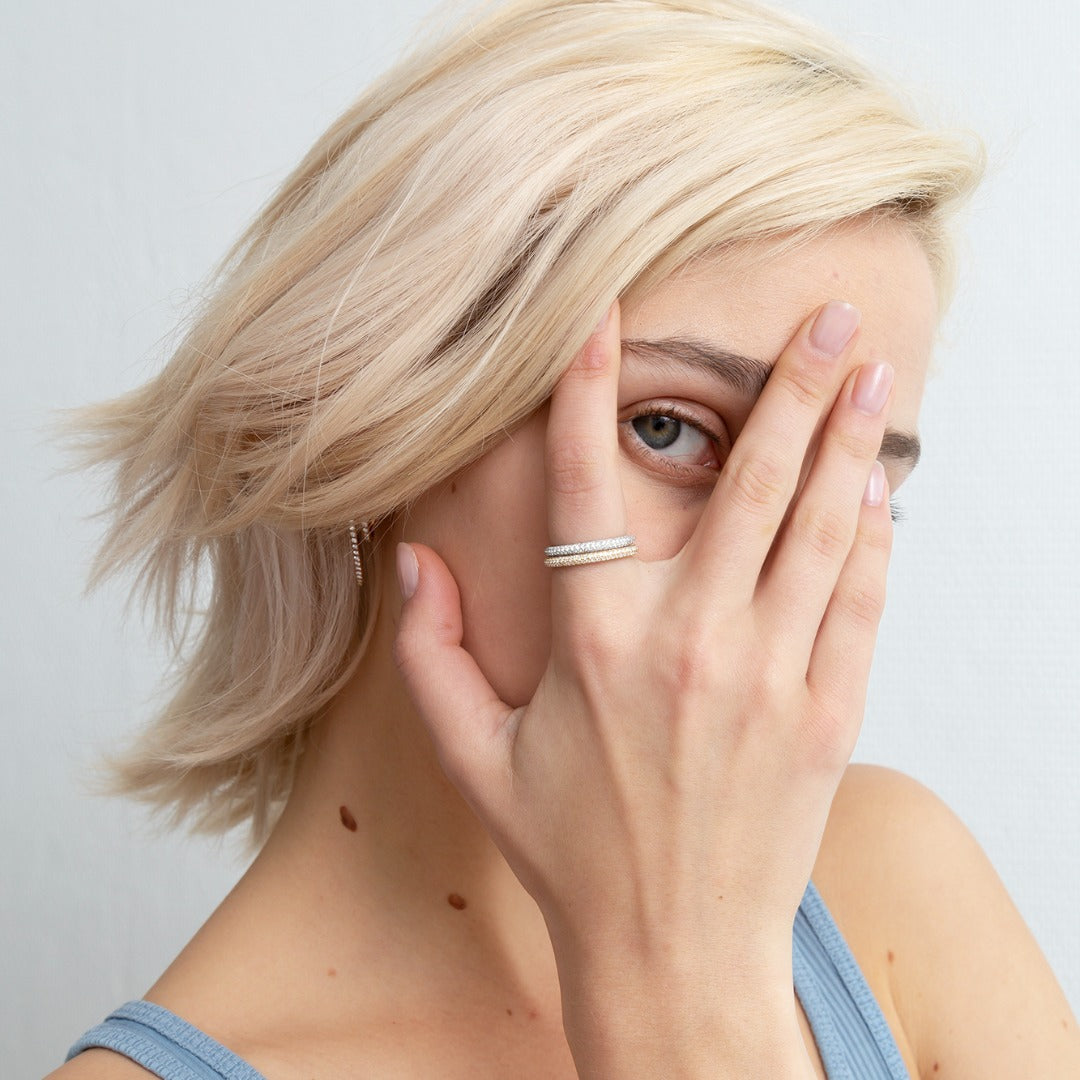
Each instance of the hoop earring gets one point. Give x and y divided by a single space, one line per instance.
354 542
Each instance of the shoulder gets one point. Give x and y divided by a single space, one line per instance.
99 1065
875 813
924 910
885 839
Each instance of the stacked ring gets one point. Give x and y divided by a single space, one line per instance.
590 551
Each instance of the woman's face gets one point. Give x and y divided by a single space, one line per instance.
677 421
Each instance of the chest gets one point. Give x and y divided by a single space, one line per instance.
523 1047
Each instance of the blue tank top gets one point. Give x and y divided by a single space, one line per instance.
849 1028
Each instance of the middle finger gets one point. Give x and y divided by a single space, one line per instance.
736 531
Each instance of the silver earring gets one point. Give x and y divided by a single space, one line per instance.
365 532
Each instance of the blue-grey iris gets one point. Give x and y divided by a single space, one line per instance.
657 432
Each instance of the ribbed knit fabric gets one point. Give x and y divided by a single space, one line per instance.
169 1047
849 1028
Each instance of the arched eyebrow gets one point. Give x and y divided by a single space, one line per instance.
741 373
747 377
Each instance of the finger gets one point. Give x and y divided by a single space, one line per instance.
756 484
840 662
584 491
813 546
463 715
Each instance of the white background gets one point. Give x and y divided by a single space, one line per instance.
140 136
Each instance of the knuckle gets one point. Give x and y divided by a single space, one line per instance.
691 668
830 737
770 683
758 483
592 362
575 468
861 603
858 443
592 649
877 537
825 532
804 383
404 648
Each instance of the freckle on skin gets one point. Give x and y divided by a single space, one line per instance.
509 1012
891 956
331 972
533 1014
456 901
453 487
347 819
936 1066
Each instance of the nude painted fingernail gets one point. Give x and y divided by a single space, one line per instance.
875 486
834 327
408 570
872 386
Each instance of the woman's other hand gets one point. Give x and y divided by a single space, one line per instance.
664 793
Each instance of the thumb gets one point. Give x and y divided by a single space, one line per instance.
463 714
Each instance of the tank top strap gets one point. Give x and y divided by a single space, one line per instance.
167 1046
849 1027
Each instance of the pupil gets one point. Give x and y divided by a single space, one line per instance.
657 432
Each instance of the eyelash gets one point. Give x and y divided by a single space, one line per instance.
675 412
672 411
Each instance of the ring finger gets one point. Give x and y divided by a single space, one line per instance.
810 553
584 490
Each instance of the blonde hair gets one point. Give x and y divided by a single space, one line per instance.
414 290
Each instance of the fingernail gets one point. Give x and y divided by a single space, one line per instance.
408 570
872 386
834 327
875 486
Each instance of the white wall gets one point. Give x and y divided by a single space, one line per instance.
141 136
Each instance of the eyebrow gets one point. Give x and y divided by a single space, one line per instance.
748 377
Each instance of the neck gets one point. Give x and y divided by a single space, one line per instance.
418 866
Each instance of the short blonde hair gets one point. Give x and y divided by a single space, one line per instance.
415 289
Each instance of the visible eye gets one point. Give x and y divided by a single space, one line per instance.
672 438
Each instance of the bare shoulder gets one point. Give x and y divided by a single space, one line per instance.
928 917
99 1065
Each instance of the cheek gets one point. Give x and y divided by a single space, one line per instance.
499 566
506 611
491 531
490 527
661 515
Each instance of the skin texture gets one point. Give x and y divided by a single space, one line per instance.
408 947
753 304
700 757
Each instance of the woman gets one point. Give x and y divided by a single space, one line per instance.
562 819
